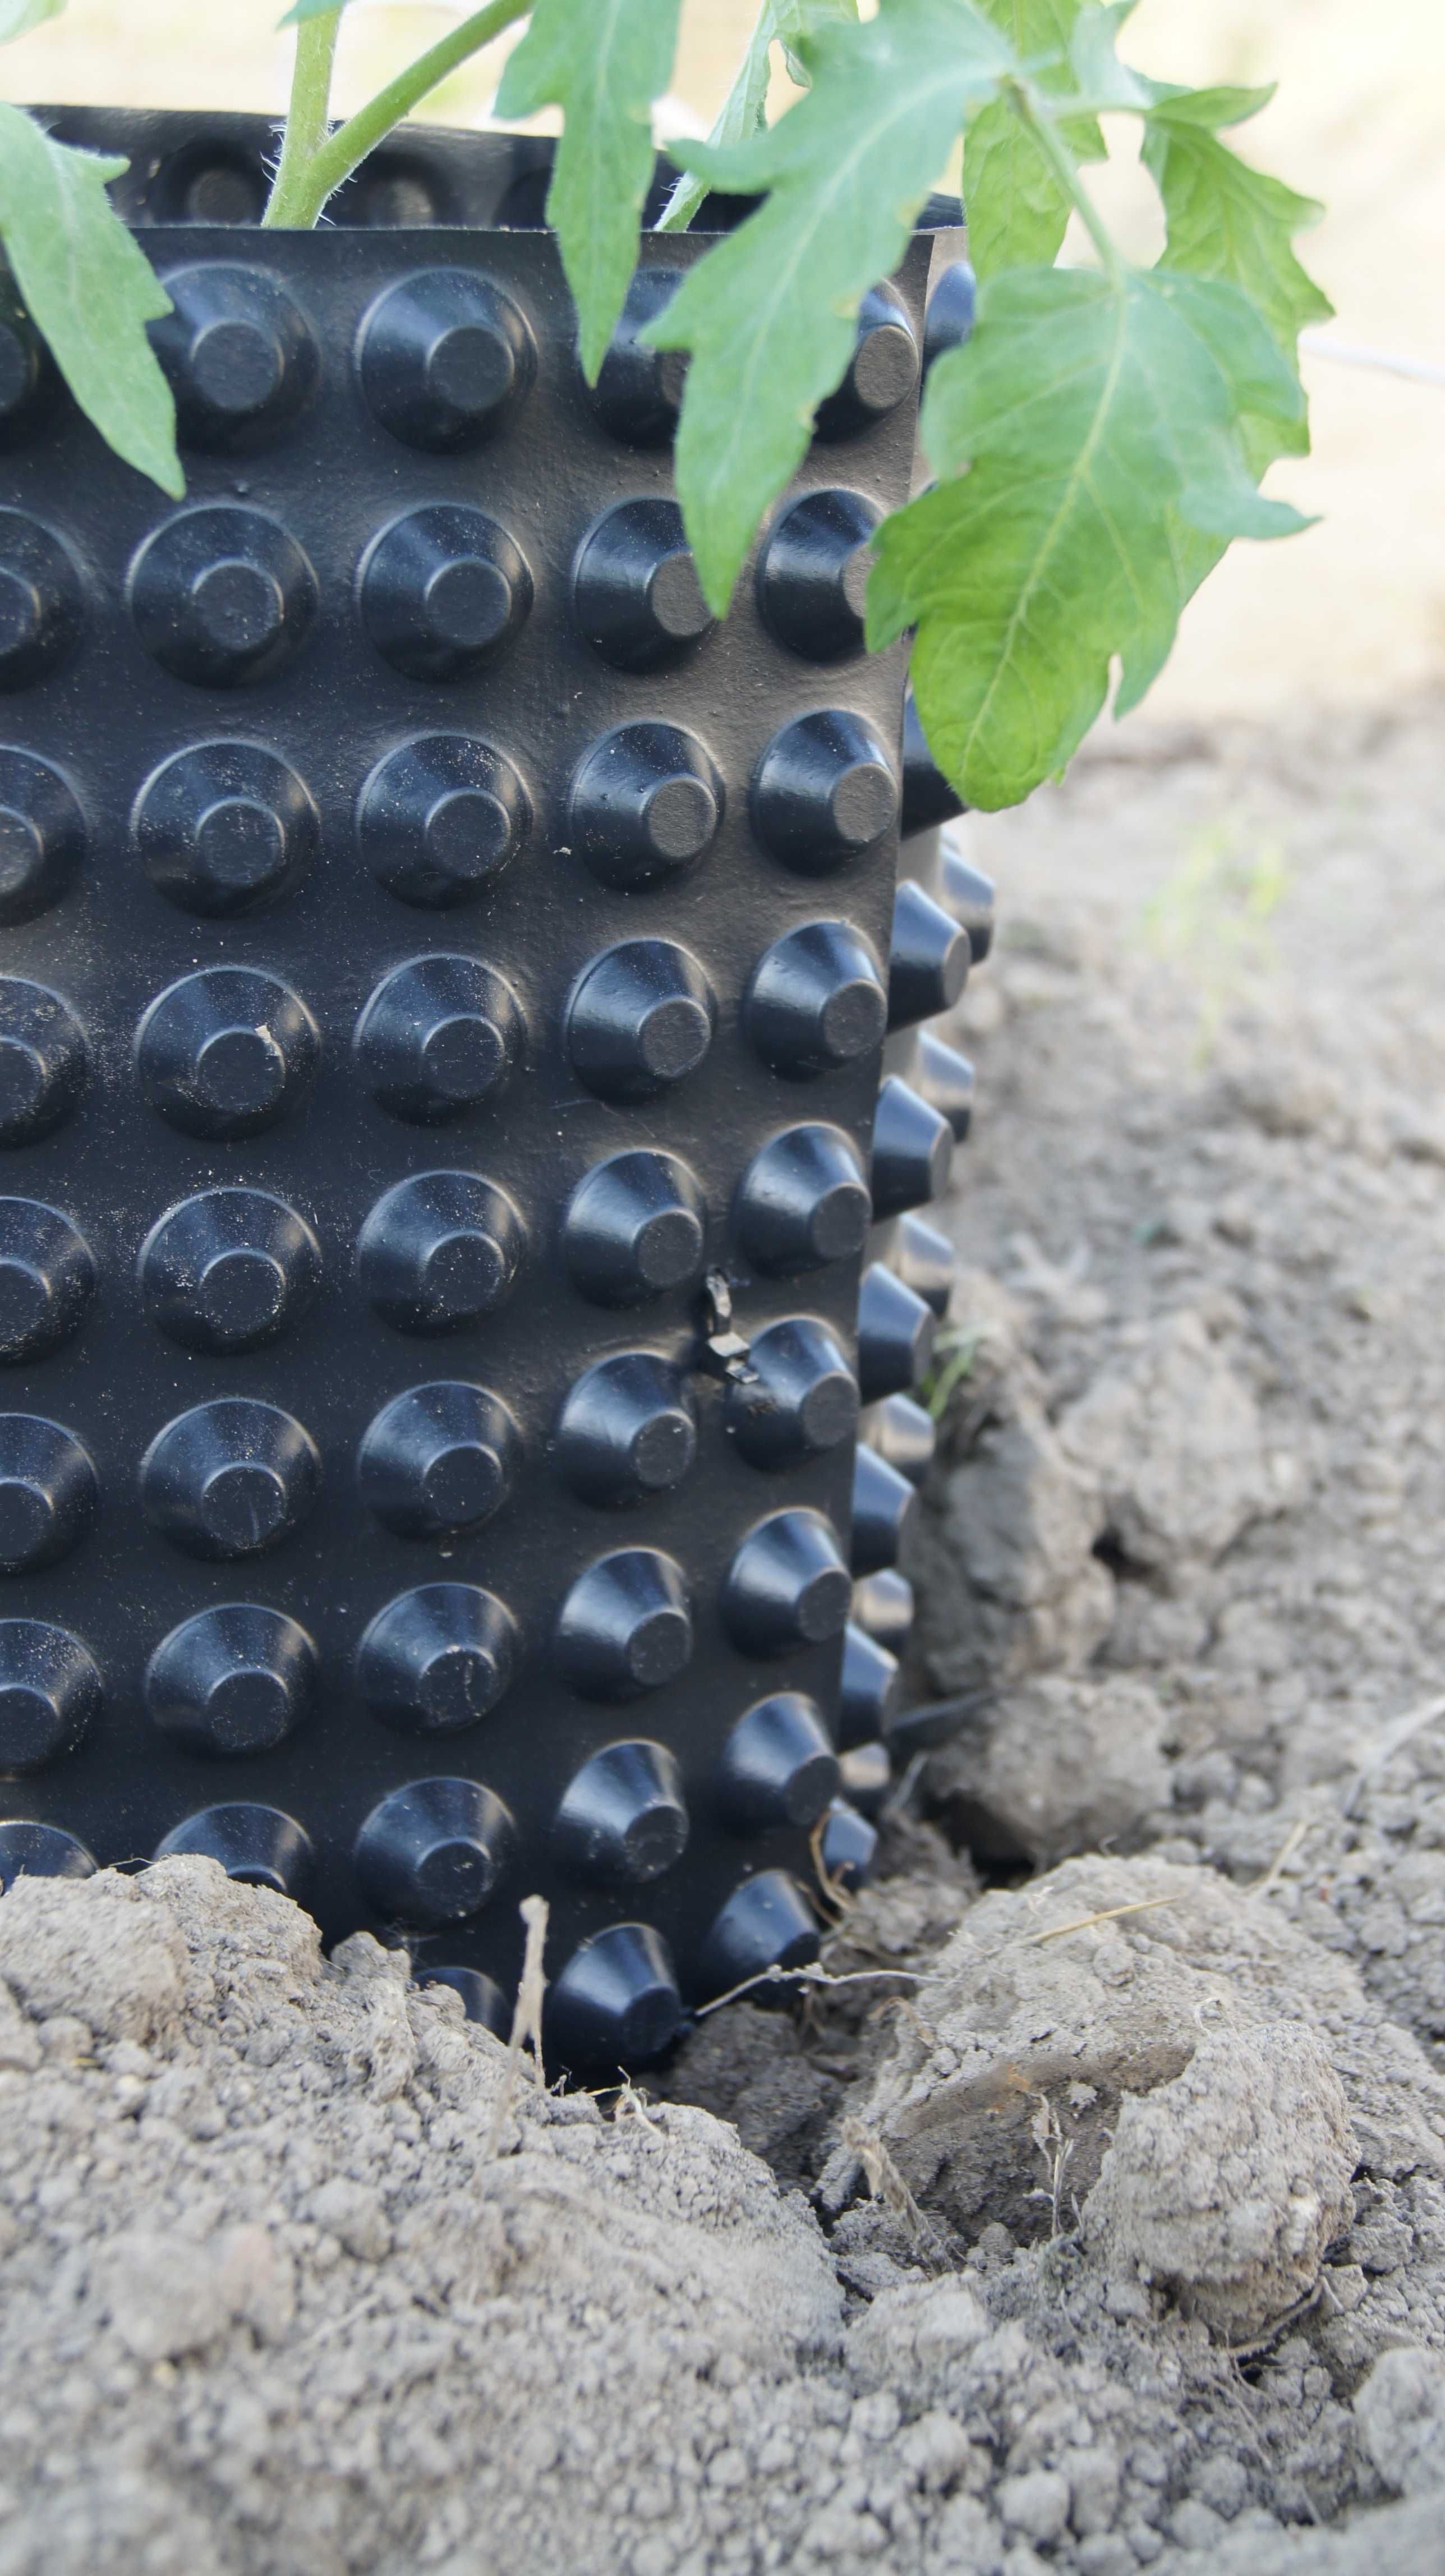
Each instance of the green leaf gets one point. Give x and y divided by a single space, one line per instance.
769 314
1016 207
603 62
1094 467
1225 220
17 17
1098 73
89 291
789 23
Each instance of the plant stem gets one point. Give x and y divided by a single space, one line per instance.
307 118
339 155
740 112
1029 110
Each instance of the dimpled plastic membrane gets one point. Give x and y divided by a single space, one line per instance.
442 968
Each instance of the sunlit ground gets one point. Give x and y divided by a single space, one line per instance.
1356 609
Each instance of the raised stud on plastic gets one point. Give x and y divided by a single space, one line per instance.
816 1000
223 827
882 371
42 1060
787 1586
870 1690
929 959
867 1777
777 1767
221 596
765 1924
635 592
42 836
39 1851
912 1150
640 1018
824 792
226 1051
440 818
968 894
634 1229
440 1457
47 1492
883 1608
433 1853
948 322
885 1512
645 805
439 1251
234 1680
257 1846
445 357
896 1329
42 603
903 1434
846 1846
623 1819
236 352
638 393
627 1430
926 1262
813 574
47 1279
800 1399
625 1626
803 1202
27 373
228 1270
615 2003
482 1998
49 1693
229 1479
443 591
437 1660
928 797
438 1036
945 1079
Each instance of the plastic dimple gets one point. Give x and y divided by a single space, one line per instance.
258 1845
27 372
645 805
627 1430
765 1924
816 1001
47 1492
638 392
432 1853
237 352
42 836
443 591
870 1689
43 1060
813 573
439 1251
799 1398
803 1202
230 1479
228 1270
787 1586
625 1626
232 1681
445 358
40 1851
881 373
47 1278
438 1036
50 1693
438 1660
222 595
441 1457
639 1019
42 601
226 1052
636 593
440 818
912 1150
623 1819
223 827
634 1228
896 1328
777 1766
616 2002
824 792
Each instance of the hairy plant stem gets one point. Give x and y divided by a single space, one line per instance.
1032 112
333 160
731 123
307 116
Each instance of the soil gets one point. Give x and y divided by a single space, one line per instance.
1094 2217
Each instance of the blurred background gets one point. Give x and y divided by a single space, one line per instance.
1354 612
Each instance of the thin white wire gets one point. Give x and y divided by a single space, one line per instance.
1320 344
